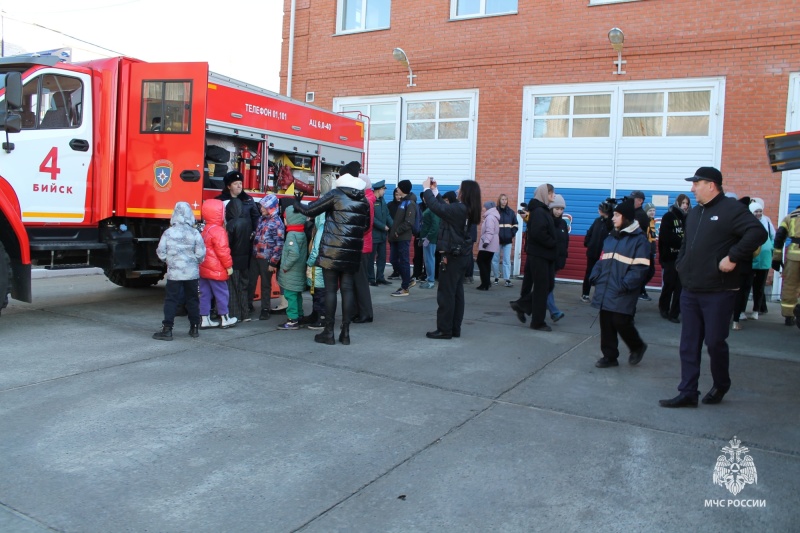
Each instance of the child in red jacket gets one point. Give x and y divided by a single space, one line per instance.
216 267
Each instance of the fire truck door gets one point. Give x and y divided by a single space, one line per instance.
51 160
165 138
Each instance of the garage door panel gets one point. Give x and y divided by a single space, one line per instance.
450 163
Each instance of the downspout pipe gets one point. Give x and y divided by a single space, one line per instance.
291 49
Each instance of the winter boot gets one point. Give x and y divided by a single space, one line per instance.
344 335
228 321
164 335
206 323
194 331
326 337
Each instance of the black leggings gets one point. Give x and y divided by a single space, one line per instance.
334 279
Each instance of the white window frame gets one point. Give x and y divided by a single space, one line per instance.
340 19
371 121
437 120
571 116
481 12
665 114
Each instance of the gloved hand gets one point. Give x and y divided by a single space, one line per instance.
230 271
298 194
485 245
777 265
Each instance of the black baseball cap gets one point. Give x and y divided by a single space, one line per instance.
707 174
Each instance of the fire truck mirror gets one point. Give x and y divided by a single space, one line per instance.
13 91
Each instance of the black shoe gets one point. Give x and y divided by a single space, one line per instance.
456 334
681 400
383 282
438 334
715 395
326 337
675 320
644 296
796 313
373 283
542 327
789 321
164 335
482 288
636 355
319 324
359 320
664 314
344 335
194 331
605 362
264 314
520 312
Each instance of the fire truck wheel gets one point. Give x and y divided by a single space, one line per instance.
117 277
5 276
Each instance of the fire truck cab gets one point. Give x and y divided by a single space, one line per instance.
96 154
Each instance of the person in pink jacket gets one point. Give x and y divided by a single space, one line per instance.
216 267
361 278
489 244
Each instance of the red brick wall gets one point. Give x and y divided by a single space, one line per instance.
755 45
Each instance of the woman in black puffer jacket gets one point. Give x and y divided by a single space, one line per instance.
346 219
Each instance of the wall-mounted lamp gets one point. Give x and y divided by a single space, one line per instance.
401 56
616 37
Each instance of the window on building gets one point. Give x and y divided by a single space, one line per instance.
666 114
439 119
382 123
480 8
362 15
166 107
587 115
52 101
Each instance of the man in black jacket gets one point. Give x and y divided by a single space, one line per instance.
540 248
720 237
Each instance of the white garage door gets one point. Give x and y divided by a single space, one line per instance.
419 135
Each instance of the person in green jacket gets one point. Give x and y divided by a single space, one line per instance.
428 232
292 272
380 228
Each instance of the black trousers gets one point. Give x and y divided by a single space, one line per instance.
485 267
260 267
670 300
182 292
613 324
450 294
334 279
587 286
378 257
745 284
363 299
419 261
759 282
542 275
706 318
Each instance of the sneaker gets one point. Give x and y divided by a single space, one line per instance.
644 296
394 277
497 281
605 362
412 283
469 280
737 326
264 314
383 282
319 324
555 317
508 283
754 315
428 285
289 325
400 292
585 298
742 317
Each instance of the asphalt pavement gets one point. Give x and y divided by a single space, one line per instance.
505 429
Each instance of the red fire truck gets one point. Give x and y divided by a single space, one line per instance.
96 155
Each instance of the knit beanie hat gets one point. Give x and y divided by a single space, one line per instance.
269 202
558 201
404 186
755 206
489 204
648 206
353 168
450 196
627 210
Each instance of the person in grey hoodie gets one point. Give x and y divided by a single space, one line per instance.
181 247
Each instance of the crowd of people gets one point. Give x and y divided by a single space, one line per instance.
712 256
